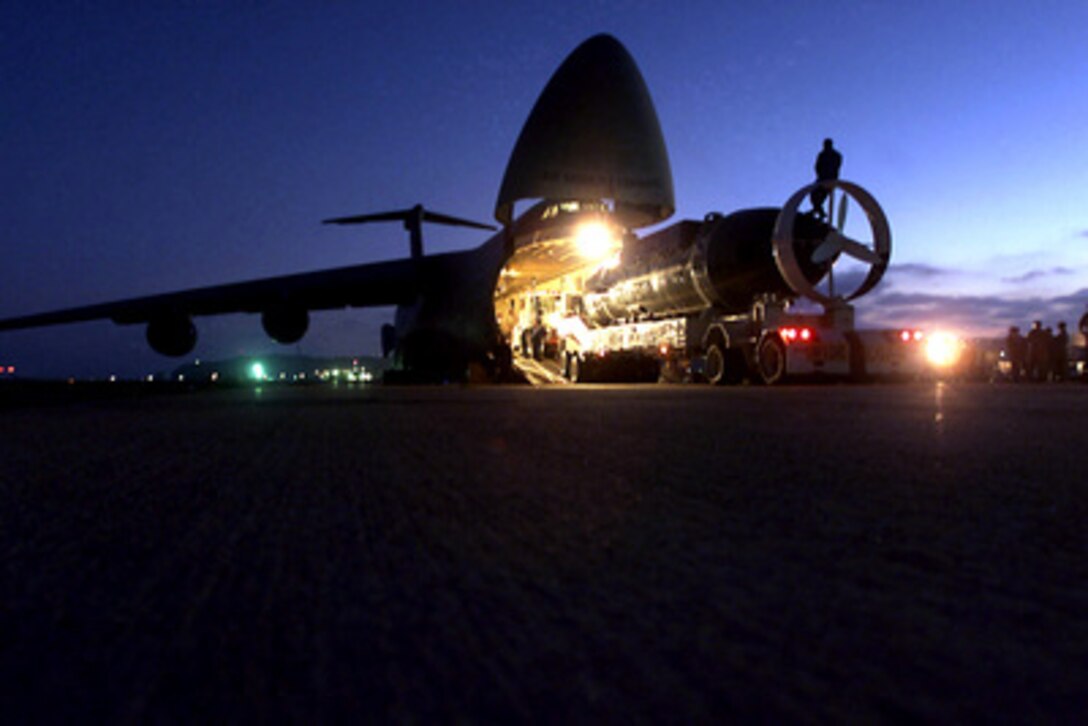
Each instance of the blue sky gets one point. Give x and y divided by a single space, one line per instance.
153 147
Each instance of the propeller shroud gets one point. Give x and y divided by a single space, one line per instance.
835 243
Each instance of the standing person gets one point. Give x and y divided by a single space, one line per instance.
828 164
1038 342
1082 351
1059 353
1016 347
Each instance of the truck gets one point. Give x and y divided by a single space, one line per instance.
748 296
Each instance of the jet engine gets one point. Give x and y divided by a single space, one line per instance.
171 334
285 323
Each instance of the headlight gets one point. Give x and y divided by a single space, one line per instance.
943 349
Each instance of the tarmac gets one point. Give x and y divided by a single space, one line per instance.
636 553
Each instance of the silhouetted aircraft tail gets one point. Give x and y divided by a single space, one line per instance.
413 222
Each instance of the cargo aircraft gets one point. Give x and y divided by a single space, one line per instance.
592 166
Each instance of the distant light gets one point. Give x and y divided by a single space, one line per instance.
943 349
11 369
214 376
904 336
113 379
806 334
918 335
257 371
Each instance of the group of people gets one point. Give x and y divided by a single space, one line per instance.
1041 355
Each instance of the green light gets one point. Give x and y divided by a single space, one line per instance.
257 371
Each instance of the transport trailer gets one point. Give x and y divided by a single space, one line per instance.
772 349
717 300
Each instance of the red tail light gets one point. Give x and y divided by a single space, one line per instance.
911 335
797 335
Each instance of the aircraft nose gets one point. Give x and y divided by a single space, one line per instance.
593 134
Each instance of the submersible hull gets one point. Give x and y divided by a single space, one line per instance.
723 262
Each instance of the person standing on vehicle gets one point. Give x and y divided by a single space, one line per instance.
828 164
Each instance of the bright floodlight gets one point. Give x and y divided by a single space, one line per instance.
943 349
257 370
595 241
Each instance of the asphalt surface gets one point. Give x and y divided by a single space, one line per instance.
635 553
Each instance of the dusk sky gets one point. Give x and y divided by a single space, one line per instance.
149 147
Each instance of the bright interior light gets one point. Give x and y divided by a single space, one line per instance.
595 241
943 349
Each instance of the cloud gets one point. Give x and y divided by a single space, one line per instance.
979 315
1036 274
916 269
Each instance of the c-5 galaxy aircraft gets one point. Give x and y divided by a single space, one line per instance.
591 164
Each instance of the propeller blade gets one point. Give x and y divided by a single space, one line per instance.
827 249
842 212
860 252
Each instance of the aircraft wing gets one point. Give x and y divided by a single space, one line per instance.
370 285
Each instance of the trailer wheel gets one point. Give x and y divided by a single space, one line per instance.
574 368
724 366
771 360
715 364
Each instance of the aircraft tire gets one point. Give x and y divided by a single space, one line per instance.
771 360
715 364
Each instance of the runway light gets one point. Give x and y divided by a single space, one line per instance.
943 349
595 241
